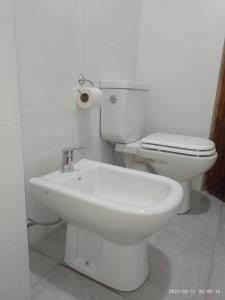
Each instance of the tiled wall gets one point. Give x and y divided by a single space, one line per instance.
180 49
57 40
14 283
179 56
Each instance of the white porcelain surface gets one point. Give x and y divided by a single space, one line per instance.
14 283
179 167
90 199
123 121
96 194
182 168
190 143
106 259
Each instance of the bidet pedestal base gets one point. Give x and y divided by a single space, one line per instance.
122 267
186 202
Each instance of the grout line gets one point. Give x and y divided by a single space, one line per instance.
214 248
61 263
9 121
47 109
57 263
85 276
12 248
45 255
42 277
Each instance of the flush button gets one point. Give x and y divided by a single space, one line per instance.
113 99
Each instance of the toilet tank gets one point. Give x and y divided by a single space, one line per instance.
123 110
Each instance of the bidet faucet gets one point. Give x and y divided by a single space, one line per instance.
67 159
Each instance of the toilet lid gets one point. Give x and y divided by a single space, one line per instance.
186 145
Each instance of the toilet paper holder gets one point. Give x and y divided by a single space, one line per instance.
82 80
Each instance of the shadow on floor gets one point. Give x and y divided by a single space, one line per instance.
64 283
200 205
158 282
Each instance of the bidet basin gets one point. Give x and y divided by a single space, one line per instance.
109 211
121 203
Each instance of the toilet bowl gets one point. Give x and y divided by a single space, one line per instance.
179 157
110 212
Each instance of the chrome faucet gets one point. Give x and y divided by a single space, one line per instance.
67 159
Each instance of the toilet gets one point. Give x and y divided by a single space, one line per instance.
180 157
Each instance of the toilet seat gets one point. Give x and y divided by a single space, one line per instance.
182 158
177 144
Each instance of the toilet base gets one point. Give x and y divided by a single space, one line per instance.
185 206
122 267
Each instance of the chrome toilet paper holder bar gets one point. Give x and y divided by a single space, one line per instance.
82 80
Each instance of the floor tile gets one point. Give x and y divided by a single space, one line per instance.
39 266
180 258
64 284
180 255
53 245
217 278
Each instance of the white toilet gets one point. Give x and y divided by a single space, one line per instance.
179 157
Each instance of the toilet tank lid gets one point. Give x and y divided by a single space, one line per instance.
123 84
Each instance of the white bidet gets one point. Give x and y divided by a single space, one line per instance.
110 212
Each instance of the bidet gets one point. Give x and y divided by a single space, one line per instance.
110 212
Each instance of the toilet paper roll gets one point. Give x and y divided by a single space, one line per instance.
89 97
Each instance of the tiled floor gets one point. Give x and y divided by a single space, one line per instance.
188 254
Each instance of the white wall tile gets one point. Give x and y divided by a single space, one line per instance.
14 283
89 127
114 21
182 26
179 56
180 48
57 40
8 72
45 134
12 206
46 131
49 52
106 61
183 88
